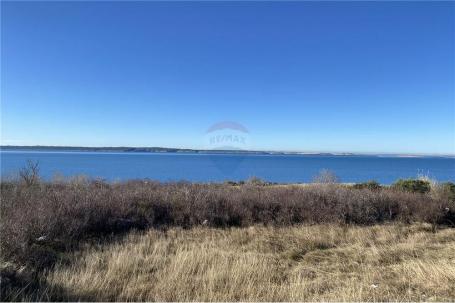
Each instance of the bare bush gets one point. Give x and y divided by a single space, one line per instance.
326 176
30 173
256 181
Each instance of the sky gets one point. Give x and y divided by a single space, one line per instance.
374 77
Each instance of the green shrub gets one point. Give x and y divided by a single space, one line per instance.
413 185
371 185
449 187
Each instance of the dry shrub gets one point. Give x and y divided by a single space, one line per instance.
45 218
326 176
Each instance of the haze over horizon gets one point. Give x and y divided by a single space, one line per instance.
309 152
360 77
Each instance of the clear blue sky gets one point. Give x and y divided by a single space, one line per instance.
314 76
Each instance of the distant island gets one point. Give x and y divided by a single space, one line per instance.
156 150
126 149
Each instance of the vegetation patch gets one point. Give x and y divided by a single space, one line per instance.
413 185
44 221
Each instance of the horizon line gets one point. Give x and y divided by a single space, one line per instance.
309 152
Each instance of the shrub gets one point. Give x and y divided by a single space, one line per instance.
371 185
412 185
256 181
40 222
449 188
30 173
229 182
326 176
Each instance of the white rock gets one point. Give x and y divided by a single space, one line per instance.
374 285
41 239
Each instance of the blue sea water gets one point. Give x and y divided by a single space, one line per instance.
220 167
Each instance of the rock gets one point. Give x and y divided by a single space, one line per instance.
41 239
374 286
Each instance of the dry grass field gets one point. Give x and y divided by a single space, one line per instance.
303 263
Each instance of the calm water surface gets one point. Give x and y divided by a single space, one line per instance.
204 168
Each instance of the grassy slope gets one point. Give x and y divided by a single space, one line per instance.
319 262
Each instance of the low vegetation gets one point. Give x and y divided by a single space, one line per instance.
411 185
43 222
371 185
322 262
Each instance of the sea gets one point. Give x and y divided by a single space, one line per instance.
203 167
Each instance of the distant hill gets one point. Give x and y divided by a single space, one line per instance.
150 150
126 149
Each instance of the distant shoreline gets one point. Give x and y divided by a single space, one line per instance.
124 149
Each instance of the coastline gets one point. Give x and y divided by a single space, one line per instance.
169 150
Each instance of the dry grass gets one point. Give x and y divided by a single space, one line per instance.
299 263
